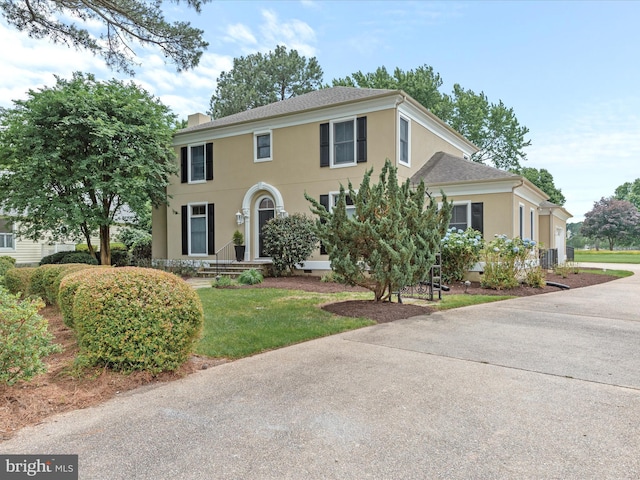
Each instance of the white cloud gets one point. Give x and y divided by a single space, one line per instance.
241 34
294 34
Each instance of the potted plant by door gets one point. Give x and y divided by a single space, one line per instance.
238 242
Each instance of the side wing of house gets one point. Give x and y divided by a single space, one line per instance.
238 172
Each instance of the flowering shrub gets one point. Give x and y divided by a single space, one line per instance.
507 261
134 318
460 251
25 338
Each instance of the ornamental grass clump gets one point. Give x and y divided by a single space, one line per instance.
507 262
460 250
134 318
25 338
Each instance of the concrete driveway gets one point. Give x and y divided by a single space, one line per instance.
539 387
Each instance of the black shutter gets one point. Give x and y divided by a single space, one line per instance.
185 230
208 156
211 244
477 216
362 139
324 144
184 166
324 201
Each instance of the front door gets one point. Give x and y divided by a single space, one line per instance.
266 211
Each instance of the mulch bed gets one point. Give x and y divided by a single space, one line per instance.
389 312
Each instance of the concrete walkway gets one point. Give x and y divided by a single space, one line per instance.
538 387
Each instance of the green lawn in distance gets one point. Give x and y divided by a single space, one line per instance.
607 256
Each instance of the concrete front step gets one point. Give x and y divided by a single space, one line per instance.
230 269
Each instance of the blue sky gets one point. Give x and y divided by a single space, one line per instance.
570 70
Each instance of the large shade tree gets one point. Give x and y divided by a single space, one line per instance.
75 154
493 127
109 29
616 221
392 237
543 179
257 80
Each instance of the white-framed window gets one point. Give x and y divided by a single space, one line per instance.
404 141
197 228
532 222
333 201
262 146
196 163
521 222
7 237
460 216
343 142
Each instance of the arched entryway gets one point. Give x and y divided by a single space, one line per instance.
261 203
265 211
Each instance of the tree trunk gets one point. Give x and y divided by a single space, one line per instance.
105 246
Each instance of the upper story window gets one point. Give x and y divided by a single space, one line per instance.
343 142
196 163
404 136
6 235
262 146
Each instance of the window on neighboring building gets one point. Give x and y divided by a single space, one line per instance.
404 141
262 146
6 234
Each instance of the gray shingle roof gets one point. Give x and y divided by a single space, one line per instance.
308 101
444 168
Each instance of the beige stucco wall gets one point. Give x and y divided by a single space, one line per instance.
497 212
293 170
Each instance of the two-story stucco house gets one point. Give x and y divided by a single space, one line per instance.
239 171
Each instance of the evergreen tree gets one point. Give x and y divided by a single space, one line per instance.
390 241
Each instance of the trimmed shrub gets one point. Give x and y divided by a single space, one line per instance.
6 263
134 318
25 338
45 282
69 283
289 241
250 277
18 280
79 257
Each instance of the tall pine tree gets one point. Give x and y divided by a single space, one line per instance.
391 240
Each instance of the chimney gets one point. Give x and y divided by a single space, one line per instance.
197 119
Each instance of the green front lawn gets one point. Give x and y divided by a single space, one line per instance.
242 322
607 256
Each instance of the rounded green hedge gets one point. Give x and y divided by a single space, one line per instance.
45 282
69 283
18 280
134 319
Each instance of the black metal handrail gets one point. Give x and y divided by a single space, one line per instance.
226 255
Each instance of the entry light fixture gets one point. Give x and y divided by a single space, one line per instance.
239 218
